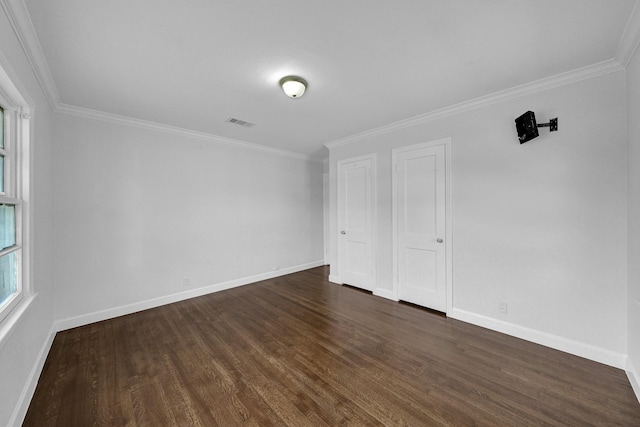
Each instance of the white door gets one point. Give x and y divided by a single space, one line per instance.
355 218
420 225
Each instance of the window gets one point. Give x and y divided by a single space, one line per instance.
14 131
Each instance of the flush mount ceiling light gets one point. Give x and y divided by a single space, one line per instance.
293 86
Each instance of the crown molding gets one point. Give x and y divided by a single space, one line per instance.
579 74
630 38
88 113
18 15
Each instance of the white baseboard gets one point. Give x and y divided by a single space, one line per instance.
85 319
20 411
21 408
591 352
335 279
579 349
384 293
634 378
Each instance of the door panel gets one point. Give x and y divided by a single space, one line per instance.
420 216
356 198
421 270
356 258
419 196
355 213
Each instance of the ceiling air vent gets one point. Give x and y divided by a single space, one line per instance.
240 122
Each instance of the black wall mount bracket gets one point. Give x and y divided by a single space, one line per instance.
552 125
527 127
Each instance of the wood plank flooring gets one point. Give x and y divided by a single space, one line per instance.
300 351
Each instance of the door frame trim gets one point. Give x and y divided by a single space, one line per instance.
326 217
446 142
374 215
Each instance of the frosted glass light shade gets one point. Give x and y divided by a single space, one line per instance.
293 86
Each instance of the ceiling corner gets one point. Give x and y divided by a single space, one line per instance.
18 16
630 38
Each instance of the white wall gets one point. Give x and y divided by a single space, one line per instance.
25 339
633 216
142 210
540 226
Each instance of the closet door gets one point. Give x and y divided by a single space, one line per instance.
355 221
420 225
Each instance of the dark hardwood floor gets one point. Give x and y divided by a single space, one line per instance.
298 351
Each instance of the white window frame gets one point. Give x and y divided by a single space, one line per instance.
17 124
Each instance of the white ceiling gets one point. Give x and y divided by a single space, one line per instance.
193 64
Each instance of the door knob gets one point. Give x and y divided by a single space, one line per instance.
439 240
343 232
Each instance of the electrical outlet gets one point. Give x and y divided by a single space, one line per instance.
503 308
186 282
